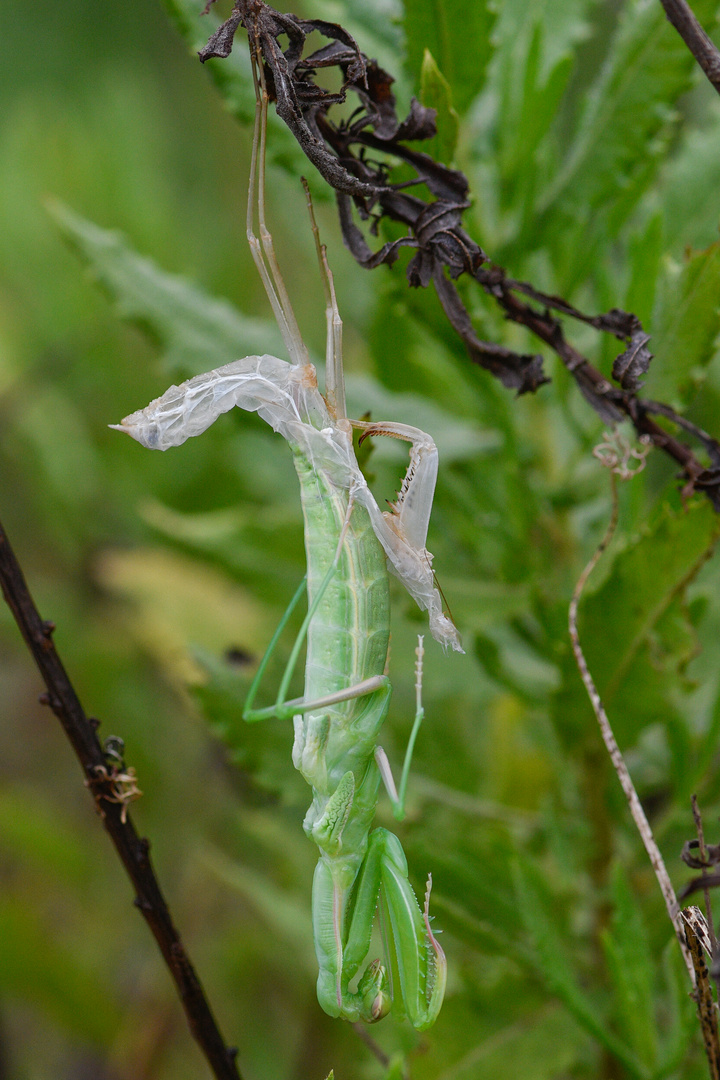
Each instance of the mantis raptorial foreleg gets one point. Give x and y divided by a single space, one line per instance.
350 545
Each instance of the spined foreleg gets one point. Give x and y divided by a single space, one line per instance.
343 916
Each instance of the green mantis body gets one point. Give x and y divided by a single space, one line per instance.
349 546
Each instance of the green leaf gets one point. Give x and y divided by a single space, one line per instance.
260 750
685 327
435 92
538 910
635 631
460 36
530 99
631 968
197 331
40 966
645 251
690 217
377 18
620 136
536 41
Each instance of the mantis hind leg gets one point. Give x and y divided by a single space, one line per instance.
249 713
412 980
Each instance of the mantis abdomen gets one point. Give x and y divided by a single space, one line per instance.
348 637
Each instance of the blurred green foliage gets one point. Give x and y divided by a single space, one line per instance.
591 147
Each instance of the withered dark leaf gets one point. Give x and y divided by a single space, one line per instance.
515 370
712 446
707 881
634 362
221 43
356 157
712 852
623 324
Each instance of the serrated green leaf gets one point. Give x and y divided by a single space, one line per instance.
538 911
536 41
621 134
530 100
460 37
635 631
690 217
566 23
645 251
630 963
685 327
262 751
436 94
197 331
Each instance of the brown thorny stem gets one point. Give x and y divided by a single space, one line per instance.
112 789
636 809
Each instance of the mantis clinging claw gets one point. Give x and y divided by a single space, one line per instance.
350 545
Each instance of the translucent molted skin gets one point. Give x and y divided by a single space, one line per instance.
288 399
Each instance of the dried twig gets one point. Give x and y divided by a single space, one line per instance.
708 856
618 761
112 787
697 818
707 54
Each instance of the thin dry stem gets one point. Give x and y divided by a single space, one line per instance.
697 818
636 809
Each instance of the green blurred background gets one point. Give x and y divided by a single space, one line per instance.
593 160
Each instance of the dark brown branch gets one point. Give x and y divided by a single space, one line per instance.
682 17
132 849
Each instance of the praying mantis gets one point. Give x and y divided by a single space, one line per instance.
350 545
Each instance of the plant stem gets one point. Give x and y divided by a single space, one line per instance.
636 809
132 849
682 17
